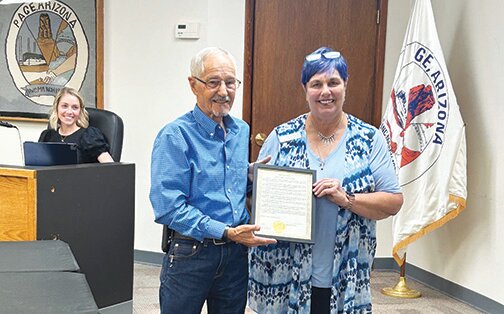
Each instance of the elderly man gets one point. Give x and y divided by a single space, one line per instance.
198 189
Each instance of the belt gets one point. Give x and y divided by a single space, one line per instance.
176 235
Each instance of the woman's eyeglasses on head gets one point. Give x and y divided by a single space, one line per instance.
328 55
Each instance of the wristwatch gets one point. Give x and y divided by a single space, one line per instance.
225 234
351 199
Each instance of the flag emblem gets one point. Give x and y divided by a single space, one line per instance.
415 129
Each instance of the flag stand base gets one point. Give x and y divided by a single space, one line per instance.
401 290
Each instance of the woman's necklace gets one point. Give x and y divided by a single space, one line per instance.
63 137
328 140
322 161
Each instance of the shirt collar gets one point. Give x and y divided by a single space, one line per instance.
210 125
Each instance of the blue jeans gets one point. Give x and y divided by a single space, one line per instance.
194 272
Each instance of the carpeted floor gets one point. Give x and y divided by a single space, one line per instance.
146 285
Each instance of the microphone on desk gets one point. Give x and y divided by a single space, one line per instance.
7 124
10 125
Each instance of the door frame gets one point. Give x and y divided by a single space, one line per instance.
248 64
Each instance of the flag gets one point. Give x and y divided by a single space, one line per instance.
426 135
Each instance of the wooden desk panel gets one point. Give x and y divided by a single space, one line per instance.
89 206
18 203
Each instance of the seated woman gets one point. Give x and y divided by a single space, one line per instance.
69 122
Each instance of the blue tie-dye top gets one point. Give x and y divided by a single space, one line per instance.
281 275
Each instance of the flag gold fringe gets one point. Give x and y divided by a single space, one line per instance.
461 204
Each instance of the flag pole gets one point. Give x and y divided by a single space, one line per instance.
401 289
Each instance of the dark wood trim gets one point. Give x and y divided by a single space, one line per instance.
382 6
99 54
248 61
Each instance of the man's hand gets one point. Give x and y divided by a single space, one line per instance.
244 234
251 167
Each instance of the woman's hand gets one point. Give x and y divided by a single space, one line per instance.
332 189
251 167
375 205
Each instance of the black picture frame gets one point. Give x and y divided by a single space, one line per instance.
310 198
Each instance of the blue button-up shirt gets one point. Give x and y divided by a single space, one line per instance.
199 176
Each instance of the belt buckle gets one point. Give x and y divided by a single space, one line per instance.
218 242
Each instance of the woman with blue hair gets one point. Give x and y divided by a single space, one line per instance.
356 186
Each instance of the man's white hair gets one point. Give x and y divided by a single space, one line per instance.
198 61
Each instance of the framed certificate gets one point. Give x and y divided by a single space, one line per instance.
283 204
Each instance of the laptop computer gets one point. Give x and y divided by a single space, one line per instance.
49 154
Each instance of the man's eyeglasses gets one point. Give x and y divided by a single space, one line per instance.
231 84
328 55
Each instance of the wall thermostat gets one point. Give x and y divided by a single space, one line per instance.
187 30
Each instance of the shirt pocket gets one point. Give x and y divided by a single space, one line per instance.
239 172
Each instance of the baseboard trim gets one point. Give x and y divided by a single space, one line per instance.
442 285
146 257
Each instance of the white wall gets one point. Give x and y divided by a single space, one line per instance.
145 83
146 72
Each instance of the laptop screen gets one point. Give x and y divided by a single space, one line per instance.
49 154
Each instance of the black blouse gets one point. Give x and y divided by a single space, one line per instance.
90 142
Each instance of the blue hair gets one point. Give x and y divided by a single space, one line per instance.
324 65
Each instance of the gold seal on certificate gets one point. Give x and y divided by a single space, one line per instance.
283 203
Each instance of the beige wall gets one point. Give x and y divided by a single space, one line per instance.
146 72
145 83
